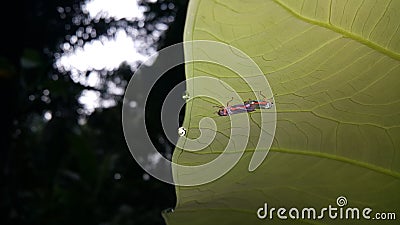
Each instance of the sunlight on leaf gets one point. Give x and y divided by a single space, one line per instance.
333 67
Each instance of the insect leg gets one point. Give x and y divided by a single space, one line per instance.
227 104
265 98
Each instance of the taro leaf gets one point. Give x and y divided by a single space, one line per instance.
333 66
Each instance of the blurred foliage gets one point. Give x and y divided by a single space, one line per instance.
54 168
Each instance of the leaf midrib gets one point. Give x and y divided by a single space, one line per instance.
343 159
345 33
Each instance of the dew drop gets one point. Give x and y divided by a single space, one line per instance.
186 96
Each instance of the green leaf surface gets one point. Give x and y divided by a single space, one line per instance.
334 69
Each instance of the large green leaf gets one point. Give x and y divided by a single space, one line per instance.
333 66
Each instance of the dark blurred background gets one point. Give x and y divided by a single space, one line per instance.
62 161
